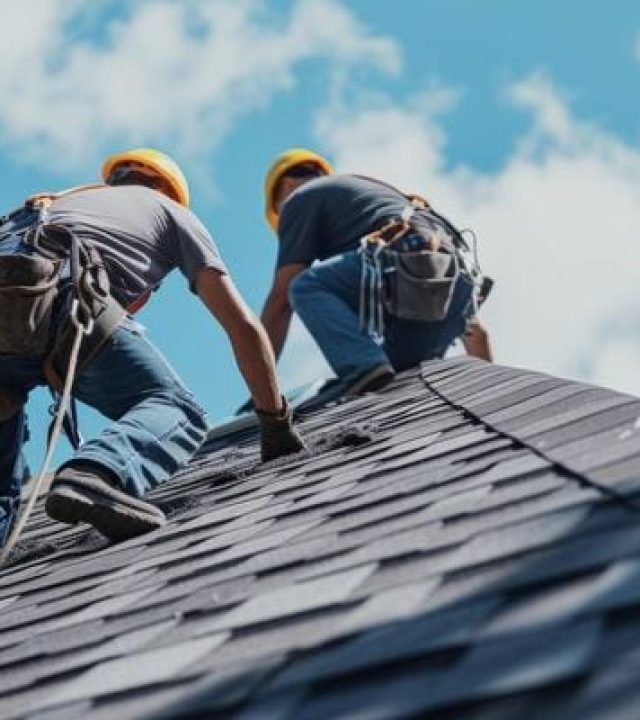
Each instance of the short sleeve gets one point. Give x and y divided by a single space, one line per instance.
299 228
194 247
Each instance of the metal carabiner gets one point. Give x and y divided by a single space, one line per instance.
75 319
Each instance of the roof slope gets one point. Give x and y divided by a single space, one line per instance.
463 545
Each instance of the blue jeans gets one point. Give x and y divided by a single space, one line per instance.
157 424
326 296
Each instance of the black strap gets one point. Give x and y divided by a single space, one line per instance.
105 325
89 286
70 424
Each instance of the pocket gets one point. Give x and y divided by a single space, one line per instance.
421 285
28 288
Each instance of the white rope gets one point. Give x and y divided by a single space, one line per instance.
372 296
378 310
55 436
363 284
371 311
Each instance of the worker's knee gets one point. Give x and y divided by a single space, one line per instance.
193 411
178 405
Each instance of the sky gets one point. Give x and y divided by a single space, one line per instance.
519 120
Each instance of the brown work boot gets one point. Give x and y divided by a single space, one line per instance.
89 493
370 380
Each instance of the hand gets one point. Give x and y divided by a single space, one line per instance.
278 436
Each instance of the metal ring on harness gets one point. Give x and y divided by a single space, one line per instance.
75 319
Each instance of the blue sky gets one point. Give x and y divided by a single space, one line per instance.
518 119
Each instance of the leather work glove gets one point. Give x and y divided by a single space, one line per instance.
278 436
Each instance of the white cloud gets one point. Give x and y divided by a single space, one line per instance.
551 117
384 138
558 224
177 72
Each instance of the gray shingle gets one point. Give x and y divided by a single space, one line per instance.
137 670
399 641
296 599
611 587
49 666
485 673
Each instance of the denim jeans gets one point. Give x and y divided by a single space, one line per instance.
157 424
326 296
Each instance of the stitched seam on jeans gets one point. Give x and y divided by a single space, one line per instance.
180 425
129 459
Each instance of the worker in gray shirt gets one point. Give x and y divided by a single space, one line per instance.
335 270
139 226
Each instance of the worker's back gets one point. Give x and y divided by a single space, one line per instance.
140 234
329 215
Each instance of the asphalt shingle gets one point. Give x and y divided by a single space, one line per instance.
461 545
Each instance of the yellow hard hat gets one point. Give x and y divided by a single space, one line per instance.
284 162
158 162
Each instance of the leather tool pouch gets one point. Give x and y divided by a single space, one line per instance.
28 288
419 285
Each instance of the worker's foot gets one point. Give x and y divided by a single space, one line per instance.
370 380
88 493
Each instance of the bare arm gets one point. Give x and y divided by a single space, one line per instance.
248 338
477 342
276 314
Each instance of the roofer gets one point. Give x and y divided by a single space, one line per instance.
137 227
393 286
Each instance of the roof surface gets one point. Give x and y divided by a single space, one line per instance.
462 545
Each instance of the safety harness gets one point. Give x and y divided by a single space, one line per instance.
60 303
413 284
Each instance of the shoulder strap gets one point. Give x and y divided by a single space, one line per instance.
44 199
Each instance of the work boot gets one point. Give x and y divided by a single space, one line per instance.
88 492
370 380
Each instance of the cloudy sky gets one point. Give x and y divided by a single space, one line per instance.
519 120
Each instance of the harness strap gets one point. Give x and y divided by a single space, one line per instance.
103 328
46 198
70 423
99 312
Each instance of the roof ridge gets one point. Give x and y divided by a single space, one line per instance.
438 386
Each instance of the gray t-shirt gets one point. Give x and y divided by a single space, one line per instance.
141 235
329 215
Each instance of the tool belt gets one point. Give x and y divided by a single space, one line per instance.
49 285
28 289
410 284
